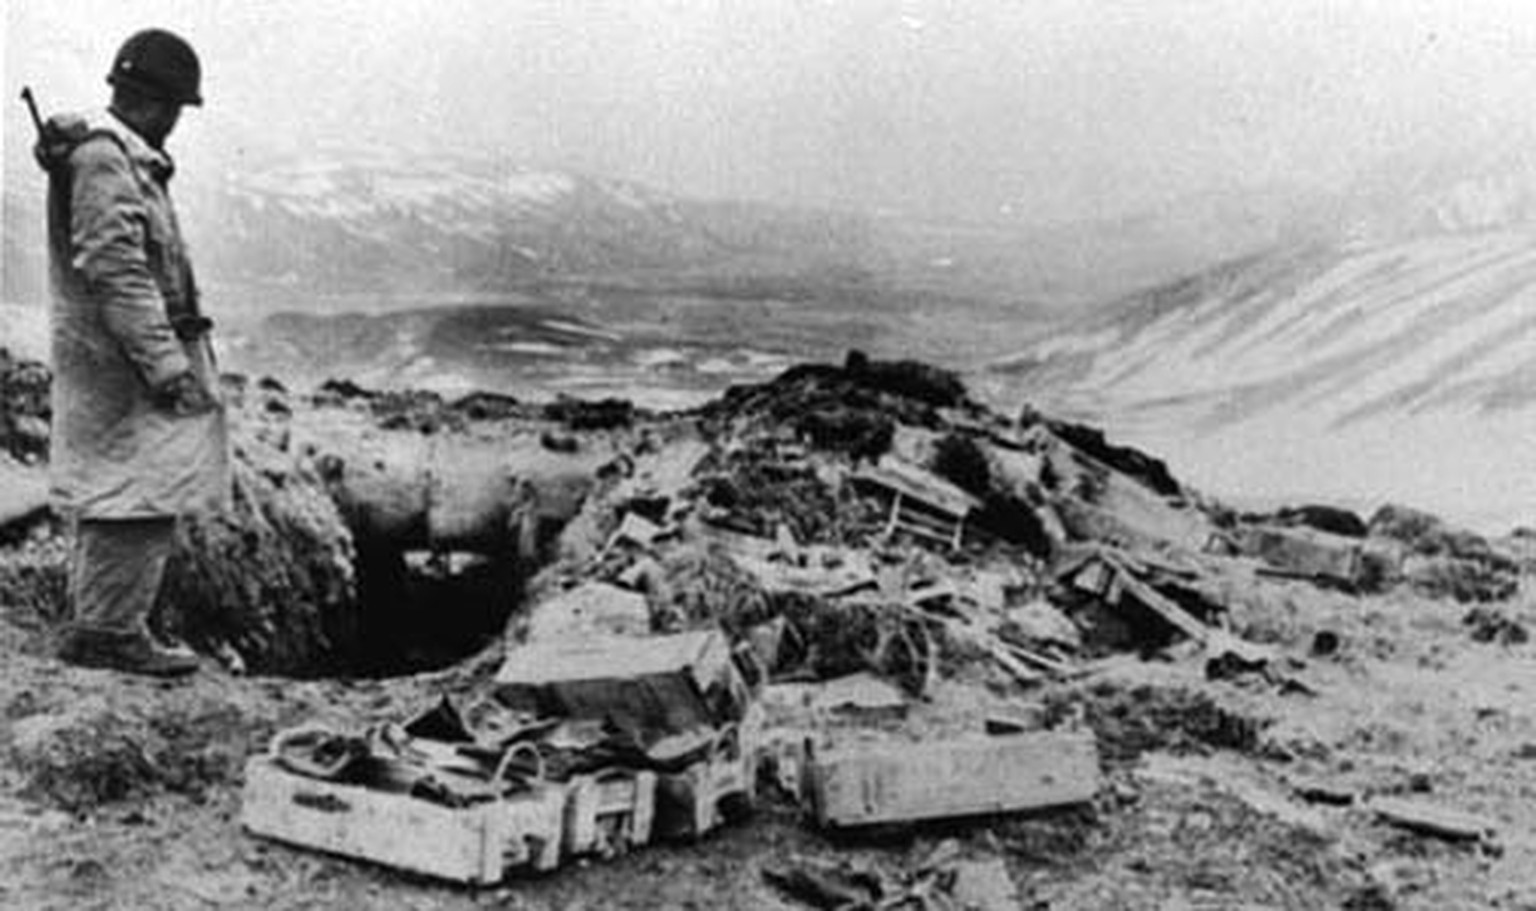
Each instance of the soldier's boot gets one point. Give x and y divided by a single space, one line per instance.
131 652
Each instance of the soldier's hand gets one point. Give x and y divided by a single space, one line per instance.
184 395
60 136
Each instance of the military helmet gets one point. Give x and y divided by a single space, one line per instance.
160 65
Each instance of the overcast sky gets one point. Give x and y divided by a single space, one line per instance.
1055 109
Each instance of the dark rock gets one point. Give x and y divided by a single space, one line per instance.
1015 521
579 414
1446 562
343 390
1492 625
861 433
1430 536
906 391
412 409
908 379
1133 462
959 459
559 442
485 406
1464 580
1324 518
1325 644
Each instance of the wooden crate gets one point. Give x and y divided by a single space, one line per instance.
900 782
609 811
651 685
476 844
689 803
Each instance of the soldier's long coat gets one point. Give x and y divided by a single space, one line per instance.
120 272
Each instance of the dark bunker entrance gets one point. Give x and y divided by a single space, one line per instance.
423 610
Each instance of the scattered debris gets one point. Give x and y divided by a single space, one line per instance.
827 885
942 882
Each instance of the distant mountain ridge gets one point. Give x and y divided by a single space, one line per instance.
372 222
337 221
1393 356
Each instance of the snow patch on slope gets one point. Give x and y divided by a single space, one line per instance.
1403 371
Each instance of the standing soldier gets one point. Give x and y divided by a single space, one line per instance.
139 434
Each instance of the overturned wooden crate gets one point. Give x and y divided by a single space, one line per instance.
693 802
897 782
653 688
1304 553
922 504
609 812
477 844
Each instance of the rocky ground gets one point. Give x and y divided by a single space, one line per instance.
1347 661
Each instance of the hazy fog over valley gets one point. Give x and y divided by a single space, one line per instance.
1287 245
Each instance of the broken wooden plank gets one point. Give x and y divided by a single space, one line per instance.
1093 575
1163 606
961 631
1038 659
852 572
903 782
1010 662
636 529
862 694
1431 819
